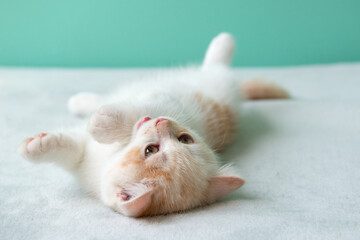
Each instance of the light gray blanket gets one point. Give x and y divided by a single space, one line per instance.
300 158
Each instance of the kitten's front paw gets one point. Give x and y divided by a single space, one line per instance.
105 125
39 146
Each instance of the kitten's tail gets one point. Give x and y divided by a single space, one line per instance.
220 50
259 89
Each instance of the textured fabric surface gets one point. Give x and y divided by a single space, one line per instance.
300 158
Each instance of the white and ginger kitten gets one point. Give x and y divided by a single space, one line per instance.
151 146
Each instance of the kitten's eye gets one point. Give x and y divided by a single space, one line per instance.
186 139
151 149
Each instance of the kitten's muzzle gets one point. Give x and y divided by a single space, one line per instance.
160 120
162 126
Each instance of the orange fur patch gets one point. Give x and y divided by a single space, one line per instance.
133 156
219 120
155 173
259 89
165 201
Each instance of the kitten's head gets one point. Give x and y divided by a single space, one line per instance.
165 168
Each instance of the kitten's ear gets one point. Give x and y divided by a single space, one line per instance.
134 203
219 186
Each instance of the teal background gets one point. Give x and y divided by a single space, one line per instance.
116 33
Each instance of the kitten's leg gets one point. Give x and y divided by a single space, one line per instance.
220 50
112 123
115 123
62 148
83 104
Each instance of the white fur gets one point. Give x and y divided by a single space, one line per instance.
220 51
167 94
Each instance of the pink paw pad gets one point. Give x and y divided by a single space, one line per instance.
42 134
29 140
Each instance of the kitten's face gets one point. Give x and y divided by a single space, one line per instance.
166 166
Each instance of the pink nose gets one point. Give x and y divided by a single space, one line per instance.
159 120
145 119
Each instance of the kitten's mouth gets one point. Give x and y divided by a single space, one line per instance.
145 119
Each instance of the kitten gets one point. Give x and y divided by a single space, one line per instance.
151 147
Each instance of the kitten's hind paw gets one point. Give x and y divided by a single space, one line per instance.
39 147
220 51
